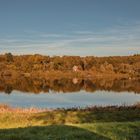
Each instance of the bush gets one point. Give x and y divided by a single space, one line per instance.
9 57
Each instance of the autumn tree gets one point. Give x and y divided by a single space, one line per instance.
9 57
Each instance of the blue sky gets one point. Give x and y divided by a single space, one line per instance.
70 27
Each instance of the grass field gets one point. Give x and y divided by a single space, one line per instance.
86 131
98 123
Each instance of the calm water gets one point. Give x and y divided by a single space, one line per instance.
69 93
77 99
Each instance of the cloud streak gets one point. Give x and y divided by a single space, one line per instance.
113 41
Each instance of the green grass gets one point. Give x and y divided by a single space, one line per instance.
92 131
91 124
116 130
53 132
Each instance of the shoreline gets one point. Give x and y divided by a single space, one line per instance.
33 110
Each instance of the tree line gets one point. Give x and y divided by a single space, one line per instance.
29 63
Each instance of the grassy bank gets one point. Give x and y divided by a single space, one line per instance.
92 131
85 124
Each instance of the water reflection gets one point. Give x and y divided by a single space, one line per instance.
37 85
78 92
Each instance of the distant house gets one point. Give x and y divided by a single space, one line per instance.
75 68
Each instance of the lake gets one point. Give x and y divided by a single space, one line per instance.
68 93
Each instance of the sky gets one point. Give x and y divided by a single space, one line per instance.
70 27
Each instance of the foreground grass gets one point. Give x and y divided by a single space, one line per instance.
98 123
92 131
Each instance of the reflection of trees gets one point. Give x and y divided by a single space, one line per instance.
8 89
37 85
